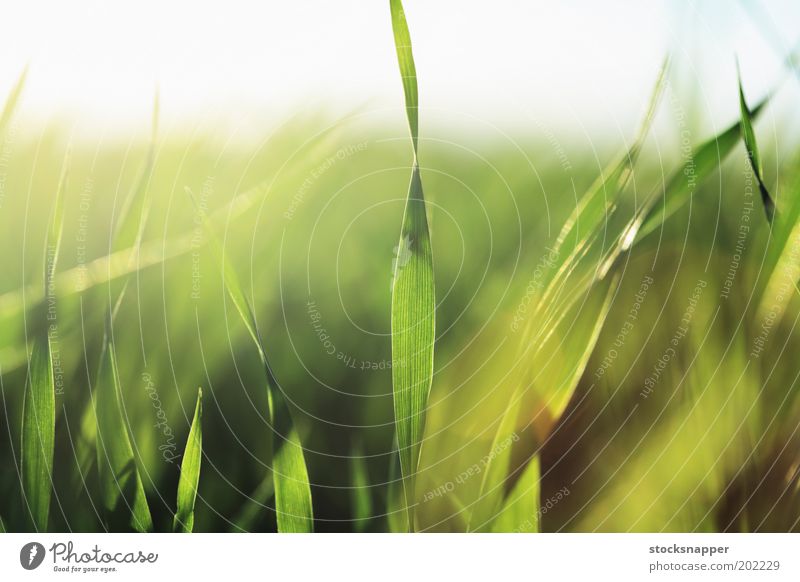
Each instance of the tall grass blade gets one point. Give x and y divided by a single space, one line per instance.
749 137
38 435
120 485
293 504
39 406
413 295
520 513
190 472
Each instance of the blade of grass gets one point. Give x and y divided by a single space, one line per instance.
413 294
190 472
254 505
293 504
38 435
573 343
520 512
705 159
360 495
39 405
121 487
749 138
12 100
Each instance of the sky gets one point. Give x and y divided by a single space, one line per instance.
505 61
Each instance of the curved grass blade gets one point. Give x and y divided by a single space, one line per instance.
559 363
413 295
120 485
684 181
293 504
749 137
520 512
38 435
190 472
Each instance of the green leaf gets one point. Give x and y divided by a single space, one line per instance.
120 485
413 295
293 505
190 472
749 137
38 434
520 512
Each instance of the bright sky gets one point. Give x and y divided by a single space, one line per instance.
219 61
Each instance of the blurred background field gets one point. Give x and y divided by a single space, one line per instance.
686 416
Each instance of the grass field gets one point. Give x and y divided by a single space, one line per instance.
614 327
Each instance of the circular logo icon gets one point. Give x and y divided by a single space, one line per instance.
31 555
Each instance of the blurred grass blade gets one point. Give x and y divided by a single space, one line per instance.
121 487
361 497
254 505
190 472
12 100
413 295
38 435
520 512
749 137
293 504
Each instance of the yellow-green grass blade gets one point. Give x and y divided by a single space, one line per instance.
121 487
520 512
12 100
293 504
190 472
783 259
591 211
56 228
557 367
38 435
413 295
749 137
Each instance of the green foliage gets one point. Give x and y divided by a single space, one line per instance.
413 294
190 471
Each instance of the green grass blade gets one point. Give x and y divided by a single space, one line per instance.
749 137
408 70
120 485
293 504
520 513
292 490
253 506
38 435
413 295
190 472
705 159
361 497
39 406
